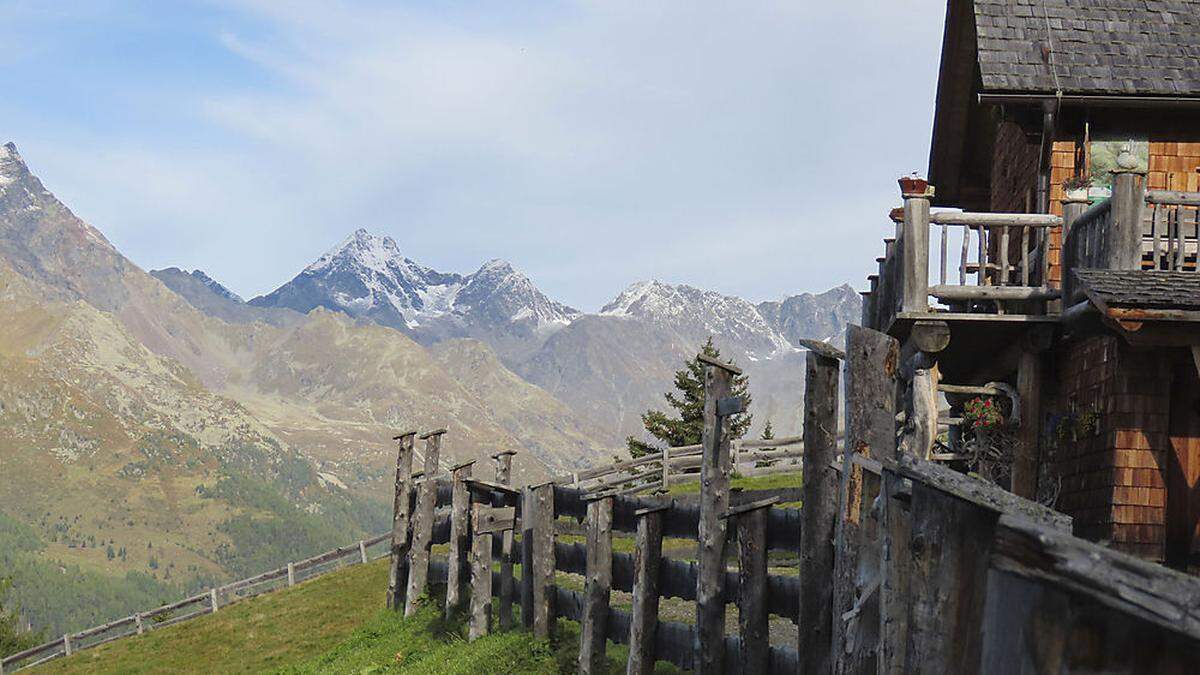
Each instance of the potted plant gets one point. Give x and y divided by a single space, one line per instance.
915 185
1076 187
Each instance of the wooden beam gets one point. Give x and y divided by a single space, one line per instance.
820 513
458 560
646 562
597 583
480 623
1027 453
714 501
398 567
422 537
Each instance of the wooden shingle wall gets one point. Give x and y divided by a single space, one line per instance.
1174 166
1113 481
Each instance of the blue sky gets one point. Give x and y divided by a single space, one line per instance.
750 148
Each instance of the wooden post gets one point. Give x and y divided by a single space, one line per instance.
820 508
362 551
647 559
458 571
504 477
666 469
916 250
138 620
481 577
714 502
539 560
212 597
398 565
596 584
66 640
752 584
291 569
1029 390
422 536
872 364
1125 229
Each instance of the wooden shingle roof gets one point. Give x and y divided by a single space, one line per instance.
1143 289
1101 47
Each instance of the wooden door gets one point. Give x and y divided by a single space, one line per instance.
1183 471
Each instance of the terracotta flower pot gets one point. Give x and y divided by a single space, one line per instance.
914 185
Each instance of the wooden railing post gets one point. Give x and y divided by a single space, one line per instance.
871 380
915 253
647 559
1072 209
422 536
714 502
537 562
458 559
398 566
596 585
480 623
362 551
504 477
666 469
751 519
1125 229
291 572
820 512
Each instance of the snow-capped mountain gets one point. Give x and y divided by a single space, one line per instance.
368 276
695 312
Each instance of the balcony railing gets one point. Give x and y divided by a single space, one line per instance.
1001 263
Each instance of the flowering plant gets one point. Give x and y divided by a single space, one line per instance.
982 413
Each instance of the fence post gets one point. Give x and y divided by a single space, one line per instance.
647 559
895 526
872 364
755 652
398 565
291 568
597 582
212 596
458 559
362 551
820 512
666 468
137 618
539 563
418 555
504 477
714 502
915 253
1125 230
480 623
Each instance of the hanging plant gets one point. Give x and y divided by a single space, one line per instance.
982 414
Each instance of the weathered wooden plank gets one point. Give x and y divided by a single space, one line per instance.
949 549
820 513
541 558
872 360
1025 461
996 219
422 530
711 533
480 622
398 568
596 584
644 620
895 522
752 587
504 477
458 558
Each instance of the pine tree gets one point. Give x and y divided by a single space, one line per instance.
687 428
768 433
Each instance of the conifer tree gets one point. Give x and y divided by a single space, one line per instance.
688 403
12 638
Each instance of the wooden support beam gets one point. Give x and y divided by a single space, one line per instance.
819 513
714 501
480 623
1027 453
915 253
596 584
646 563
398 567
422 537
1124 235
458 559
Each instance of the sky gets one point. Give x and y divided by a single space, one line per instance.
750 148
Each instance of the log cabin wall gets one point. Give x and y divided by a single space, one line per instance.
1112 407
